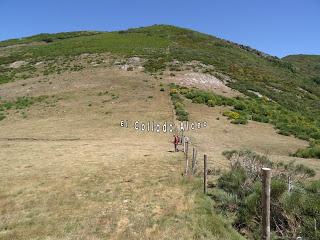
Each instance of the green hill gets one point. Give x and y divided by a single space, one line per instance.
291 82
67 163
252 69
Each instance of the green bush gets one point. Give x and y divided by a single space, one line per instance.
310 152
199 99
155 65
240 106
182 115
4 79
232 182
241 120
231 115
293 212
178 105
211 103
23 102
259 118
316 80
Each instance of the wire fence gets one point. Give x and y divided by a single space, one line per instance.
192 166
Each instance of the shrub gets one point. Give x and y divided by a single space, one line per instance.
241 120
182 115
4 79
198 99
8 105
284 132
177 100
260 118
23 102
233 182
310 152
293 211
183 91
240 106
173 91
316 80
178 105
155 64
211 103
231 115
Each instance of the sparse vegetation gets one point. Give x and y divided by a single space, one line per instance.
113 95
262 110
294 211
19 104
155 65
280 80
177 100
46 37
103 93
313 151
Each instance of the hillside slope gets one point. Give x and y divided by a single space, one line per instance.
69 171
67 164
252 69
308 64
285 81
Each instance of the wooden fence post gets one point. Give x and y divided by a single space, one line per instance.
184 144
289 184
187 160
266 189
193 160
182 137
205 174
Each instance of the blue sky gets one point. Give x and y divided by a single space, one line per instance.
278 27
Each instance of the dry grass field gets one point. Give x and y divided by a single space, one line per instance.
69 171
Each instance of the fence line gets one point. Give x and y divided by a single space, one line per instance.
266 183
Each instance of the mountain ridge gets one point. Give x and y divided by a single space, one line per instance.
40 36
